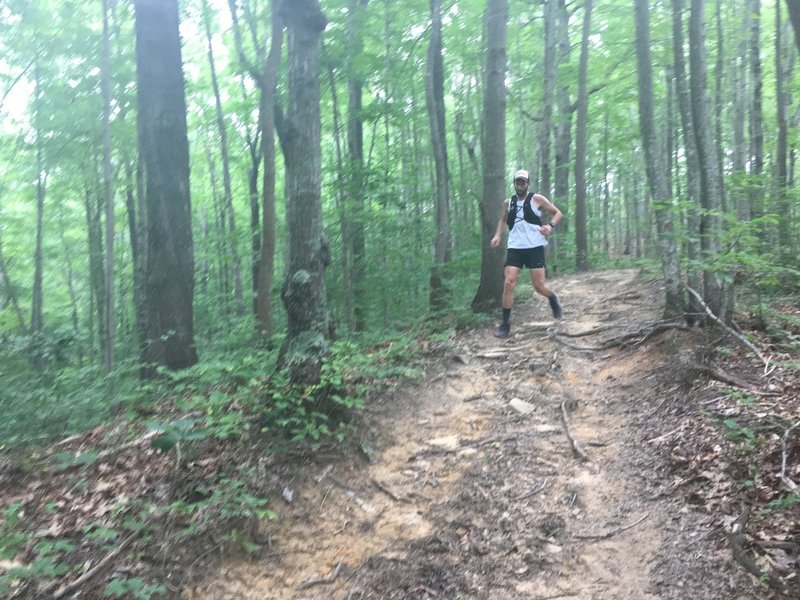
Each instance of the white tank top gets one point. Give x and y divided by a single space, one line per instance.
525 235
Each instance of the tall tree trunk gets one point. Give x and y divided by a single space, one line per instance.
266 263
782 203
546 125
581 239
304 294
563 137
719 74
694 189
164 156
226 168
434 94
756 113
739 114
794 17
37 321
355 151
656 177
710 177
493 152
108 194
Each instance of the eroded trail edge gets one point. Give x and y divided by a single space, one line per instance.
520 469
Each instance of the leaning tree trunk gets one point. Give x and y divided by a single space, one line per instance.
164 159
434 94
303 293
581 239
654 163
493 152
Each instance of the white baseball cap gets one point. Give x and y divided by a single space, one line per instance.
521 174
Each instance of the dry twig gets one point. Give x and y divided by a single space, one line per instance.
793 487
321 580
576 447
613 532
99 567
743 340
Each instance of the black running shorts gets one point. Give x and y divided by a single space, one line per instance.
533 258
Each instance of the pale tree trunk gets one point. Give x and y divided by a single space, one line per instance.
581 239
304 294
108 193
434 94
756 113
710 177
563 137
782 202
794 16
739 118
546 125
266 263
355 152
230 213
656 177
37 321
493 152
164 158
719 74
341 208
693 187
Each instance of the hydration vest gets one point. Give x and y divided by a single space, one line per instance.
527 212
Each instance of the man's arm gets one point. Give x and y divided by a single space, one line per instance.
501 223
551 208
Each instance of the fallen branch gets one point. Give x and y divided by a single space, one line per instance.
321 580
576 447
99 567
743 340
793 487
737 540
382 487
587 333
613 532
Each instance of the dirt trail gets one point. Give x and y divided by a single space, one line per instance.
465 497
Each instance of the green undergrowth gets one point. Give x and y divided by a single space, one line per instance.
211 426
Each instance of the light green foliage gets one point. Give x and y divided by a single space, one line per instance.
135 587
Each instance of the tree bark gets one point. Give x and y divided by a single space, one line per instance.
164 156
782 203
303 293
693 187
266 262
654 163
108 194
434 94
710 177
794 17
546 126
756 113
581 239
37 320
493 152
355 151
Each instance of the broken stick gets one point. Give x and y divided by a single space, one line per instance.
576 447
321 580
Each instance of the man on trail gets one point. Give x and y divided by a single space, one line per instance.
527 238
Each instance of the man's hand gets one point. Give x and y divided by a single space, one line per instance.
495 241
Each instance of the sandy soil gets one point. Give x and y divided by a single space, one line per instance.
456 494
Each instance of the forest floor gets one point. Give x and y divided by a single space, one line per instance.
460 495
598 457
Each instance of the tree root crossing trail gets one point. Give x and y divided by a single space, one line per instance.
521 468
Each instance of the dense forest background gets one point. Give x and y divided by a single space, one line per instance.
368 150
